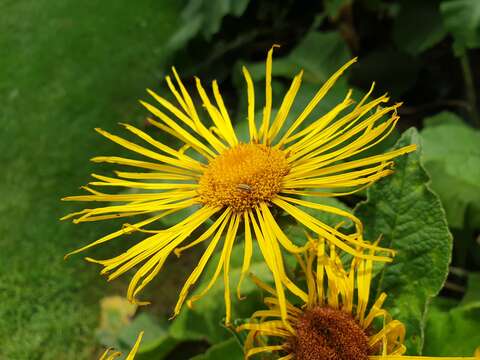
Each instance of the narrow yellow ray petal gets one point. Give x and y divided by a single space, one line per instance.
247 253
159 250
215 115
334 231
157 241
199 149
192 279
233 225
252 127
272 265
326 208
121 232
229 240
109 181
320 147
311 284
173 109
206 235
316 172
119 211
141 164
162 147
211 139
287 357
311 134
177 95
279 234
316 131
154 175
274 248
134 350
266 314
320 269
291 310
314 225
148 153
189 138
316 99
258 350
273 327
307 181
262 285
375 311
223 111
285 107
265 128
98 196
324 184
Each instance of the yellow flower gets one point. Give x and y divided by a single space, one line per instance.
112 355
239 185
333 322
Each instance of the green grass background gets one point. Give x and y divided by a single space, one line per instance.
65 67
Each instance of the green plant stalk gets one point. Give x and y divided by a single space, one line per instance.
470 88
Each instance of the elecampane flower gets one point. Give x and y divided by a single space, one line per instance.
238 186
333 320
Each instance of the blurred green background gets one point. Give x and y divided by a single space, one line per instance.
68 66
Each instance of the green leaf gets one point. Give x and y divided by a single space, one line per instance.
452 157
204 320
418 26
443 118
453 330
205 17
410 218
462 20
156 341
333 7
228 349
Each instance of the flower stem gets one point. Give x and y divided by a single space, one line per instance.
470 88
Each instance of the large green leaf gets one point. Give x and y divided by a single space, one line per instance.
418 25
462 20
454 330
204 17
452 157
411 220
228 349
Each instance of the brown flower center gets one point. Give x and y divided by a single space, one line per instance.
243 176
328 334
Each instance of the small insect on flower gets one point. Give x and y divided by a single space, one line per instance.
334 318
238 185
244 187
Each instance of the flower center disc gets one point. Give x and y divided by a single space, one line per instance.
243 176
326 333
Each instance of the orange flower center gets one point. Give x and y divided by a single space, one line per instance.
243 176
326 333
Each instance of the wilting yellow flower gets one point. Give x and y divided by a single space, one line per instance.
333 320
239 184
110 354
